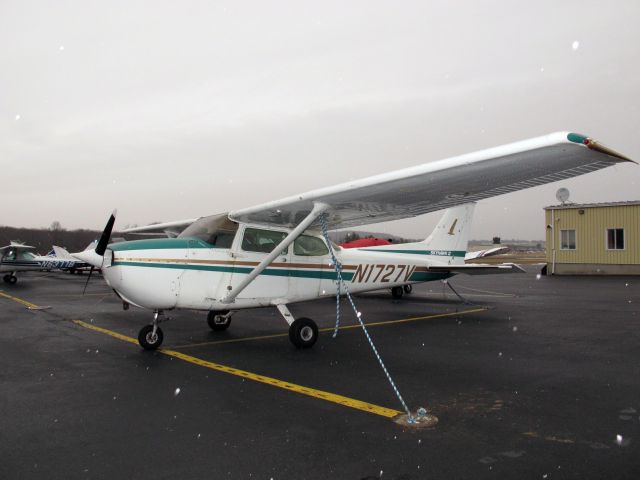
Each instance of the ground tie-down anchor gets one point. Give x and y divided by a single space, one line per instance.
420 419
410 418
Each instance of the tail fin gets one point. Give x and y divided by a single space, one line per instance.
448 241
60 252
452 232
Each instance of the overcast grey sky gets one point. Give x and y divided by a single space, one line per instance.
171 110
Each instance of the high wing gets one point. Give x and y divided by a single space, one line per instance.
169 229
437 185
16 246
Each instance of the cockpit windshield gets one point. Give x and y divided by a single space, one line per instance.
216 230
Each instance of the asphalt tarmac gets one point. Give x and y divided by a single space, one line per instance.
538 378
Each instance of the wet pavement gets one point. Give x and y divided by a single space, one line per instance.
537 378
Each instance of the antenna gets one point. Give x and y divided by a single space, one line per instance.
562 195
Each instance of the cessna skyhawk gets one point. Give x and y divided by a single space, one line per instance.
276 254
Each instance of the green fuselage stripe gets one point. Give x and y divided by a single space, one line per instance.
321 274
436 253
328 274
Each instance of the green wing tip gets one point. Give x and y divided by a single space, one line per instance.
577 138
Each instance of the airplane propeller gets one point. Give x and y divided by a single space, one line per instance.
101 247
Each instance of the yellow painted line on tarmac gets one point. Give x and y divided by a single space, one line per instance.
29 305
345 327
95 328
311 392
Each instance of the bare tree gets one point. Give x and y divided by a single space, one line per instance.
56 226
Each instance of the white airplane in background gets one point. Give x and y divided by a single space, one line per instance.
276 254
17 257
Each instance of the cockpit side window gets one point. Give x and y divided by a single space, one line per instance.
258 240
308 246
217 230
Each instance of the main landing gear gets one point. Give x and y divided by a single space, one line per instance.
397 292
150 336
303 332
219 320
10 278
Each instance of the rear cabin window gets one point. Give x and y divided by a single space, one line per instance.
264 241
217 230
306 246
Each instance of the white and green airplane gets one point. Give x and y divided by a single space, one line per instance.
278 253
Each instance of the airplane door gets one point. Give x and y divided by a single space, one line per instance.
256 244
310 264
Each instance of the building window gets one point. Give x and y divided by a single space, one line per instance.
615 238
567 239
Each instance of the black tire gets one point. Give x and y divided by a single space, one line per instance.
303 333
217 326
397 292
6 278
146 340
12 280
407 288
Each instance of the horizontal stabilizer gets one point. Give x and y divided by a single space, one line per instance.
478 268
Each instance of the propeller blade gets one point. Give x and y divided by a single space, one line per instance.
87 282
106 234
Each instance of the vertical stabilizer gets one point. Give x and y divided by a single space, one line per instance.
447 243
452 233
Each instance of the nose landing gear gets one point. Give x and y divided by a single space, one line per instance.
151 336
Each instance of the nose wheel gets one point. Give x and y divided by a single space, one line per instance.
151 336
10 279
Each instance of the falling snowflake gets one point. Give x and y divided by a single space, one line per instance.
575 45
176 392
619 439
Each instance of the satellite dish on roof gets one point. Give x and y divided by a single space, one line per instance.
562 195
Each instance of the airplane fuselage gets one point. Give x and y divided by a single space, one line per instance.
163 274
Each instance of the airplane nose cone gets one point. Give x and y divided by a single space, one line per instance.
90 257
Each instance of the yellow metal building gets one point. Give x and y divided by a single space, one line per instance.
593 239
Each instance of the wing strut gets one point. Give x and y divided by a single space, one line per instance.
318 209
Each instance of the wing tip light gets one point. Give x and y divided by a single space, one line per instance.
597 146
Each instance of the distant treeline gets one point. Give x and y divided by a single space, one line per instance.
43 239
